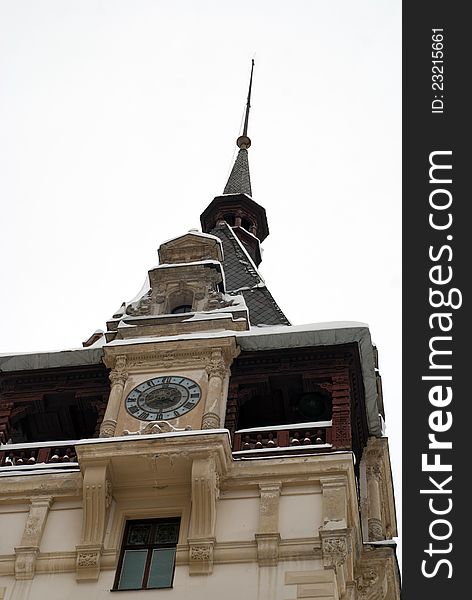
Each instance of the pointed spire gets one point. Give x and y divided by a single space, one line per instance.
239 181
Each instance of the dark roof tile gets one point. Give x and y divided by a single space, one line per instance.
242 277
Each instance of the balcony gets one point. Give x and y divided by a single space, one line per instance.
275 440
37 455
296 438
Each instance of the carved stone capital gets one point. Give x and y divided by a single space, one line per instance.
210 421
216 369
118 377
107 428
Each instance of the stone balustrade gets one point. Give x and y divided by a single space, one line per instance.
313 437
20 455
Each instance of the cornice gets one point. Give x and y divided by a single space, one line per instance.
21 488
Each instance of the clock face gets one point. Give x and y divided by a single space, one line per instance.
163 398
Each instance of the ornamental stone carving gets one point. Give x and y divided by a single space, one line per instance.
88 559
334 550
32 526
141 307
201 557
154 427
216 300
211 421
376 532
118 378
374 471
200 553
107 428
216 369
370 585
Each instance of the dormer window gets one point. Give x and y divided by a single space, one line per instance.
182 308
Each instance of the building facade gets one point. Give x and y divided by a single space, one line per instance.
201 446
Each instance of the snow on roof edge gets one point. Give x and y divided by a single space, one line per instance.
50 359
193 232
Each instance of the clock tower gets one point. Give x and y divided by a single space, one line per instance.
202 446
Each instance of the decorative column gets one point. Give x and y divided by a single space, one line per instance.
375 526
268 537
118 377
97 497
201 539
217 371
28 550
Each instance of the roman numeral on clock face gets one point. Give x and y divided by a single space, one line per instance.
171 395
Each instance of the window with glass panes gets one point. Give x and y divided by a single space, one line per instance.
147 558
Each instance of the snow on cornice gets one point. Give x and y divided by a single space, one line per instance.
196 233
189 264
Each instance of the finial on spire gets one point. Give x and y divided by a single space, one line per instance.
243 140
239 181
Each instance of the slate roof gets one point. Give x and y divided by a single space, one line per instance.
243 277
239 181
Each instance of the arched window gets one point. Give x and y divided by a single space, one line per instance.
246 223
181 308
229 218
180 301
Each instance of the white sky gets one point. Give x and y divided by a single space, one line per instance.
118 122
